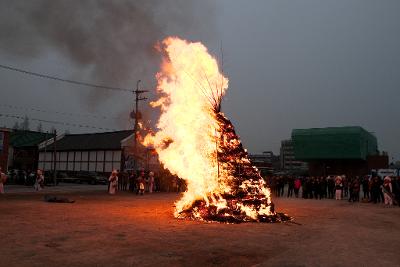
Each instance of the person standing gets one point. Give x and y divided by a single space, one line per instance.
39 182
3 179
140 183
345 186
331 186
273 186
124 175
381 196
323 187
387 191
290 187
132 181
355 190
338 187
317 188
375 189
365 187
282 181
147 183
305 187
151 182
120 180
296 186
396 189
113 179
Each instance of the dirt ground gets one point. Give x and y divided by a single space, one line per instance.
130 230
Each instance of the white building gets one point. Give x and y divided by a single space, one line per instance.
99 152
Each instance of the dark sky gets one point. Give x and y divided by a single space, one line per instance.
291 64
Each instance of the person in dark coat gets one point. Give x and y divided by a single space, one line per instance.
331 187
132 181
290 187
365 187
323 187
375 190
355 190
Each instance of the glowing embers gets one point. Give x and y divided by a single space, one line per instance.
235 211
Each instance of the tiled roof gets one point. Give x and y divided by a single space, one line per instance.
92 141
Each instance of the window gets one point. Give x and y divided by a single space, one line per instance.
77 166
92 166
78 156
70 166
85 155
117 156
92 156
99 166
108 166
109 155
100 155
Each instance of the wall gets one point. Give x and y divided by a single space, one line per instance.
96 160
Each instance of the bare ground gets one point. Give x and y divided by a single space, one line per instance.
130 230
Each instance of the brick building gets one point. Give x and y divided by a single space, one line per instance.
4 148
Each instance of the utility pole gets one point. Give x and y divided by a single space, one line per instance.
55 158
45 152
138 98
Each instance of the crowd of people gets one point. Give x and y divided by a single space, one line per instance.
37 178
141 182
374 189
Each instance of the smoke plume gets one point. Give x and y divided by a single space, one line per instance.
113 41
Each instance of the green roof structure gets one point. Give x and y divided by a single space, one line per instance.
22 138
333 143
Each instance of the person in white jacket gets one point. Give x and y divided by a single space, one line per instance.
151 182
387 191
113 182
39 180
338 187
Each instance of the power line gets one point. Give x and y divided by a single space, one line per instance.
64 80
58 112
57 122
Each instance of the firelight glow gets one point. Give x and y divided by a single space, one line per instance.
189 135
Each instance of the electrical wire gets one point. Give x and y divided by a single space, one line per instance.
58 122
64 80
58 112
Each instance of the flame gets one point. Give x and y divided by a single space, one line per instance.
189 133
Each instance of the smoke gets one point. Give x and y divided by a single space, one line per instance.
113 41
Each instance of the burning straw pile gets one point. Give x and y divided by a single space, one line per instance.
198 143
249 198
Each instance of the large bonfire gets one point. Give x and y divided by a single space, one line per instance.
196 142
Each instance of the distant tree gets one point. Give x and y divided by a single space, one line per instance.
39 127
25 124
16 125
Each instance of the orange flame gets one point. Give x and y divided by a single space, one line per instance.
189 84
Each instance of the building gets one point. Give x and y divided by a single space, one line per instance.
24 149
4 148
396 167
288 160
263 162
338 150
145 158
99 152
